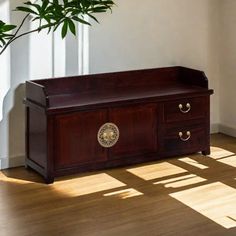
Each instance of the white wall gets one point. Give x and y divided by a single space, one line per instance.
138 34
12 124
228 67
28 58
4 59
155 33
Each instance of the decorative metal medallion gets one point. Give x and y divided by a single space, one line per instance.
108 135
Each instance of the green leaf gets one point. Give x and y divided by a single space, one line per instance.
50 14
80 20
98 9
72 26
26 9
64 29
8 27
45 4
37 6
93 17
3 42
2 23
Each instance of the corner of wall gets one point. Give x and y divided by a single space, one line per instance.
214 128
12 162
228 130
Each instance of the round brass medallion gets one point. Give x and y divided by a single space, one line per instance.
108 135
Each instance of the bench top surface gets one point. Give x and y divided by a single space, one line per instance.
99 90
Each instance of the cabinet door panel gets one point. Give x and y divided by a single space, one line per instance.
76 138
138 130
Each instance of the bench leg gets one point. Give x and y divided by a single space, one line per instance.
206 152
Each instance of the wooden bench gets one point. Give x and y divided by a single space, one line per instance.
92 122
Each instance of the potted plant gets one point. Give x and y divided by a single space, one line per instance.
50 15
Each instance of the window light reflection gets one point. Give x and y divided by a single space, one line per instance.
155 171
4 178
192 162
181 181
124 194
87 185
215 201
217 153
17 181
231 161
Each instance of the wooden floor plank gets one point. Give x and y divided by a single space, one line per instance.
188 195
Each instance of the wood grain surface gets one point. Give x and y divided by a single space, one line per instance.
191 195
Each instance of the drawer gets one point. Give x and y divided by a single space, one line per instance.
185 109
185 139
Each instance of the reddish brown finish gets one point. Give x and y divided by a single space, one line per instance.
172 112
37 137
77 139
64 115
138 130
174 145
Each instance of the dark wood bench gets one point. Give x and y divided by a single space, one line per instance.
99 121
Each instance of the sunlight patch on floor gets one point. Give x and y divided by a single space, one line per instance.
124 194
217 153
181 181
4 178
18 181
215 201
87 185
193 162
155 171
231 161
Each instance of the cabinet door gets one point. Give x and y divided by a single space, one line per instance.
76 138
137 129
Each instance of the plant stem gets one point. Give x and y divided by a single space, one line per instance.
12 39
22 23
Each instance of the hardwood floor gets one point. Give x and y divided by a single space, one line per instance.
190 195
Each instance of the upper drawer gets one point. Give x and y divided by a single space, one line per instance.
186 109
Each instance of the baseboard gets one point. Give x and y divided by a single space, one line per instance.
229 130
16 161
214 128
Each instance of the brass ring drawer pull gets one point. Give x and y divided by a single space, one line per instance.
188 134
188 106
108 135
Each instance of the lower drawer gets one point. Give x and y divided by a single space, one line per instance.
186 139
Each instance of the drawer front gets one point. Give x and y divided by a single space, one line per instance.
138 130
76 139
184 139
185 109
